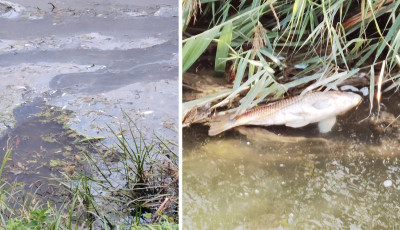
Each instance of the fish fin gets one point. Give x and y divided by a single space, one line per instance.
326 125
299 114
220 126
322 104
297 123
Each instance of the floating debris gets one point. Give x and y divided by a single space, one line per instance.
387 183
301 66
167 11
92 40
364 91
147 112
349 88
10 10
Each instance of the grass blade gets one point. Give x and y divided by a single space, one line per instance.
195 46
223 47
371 88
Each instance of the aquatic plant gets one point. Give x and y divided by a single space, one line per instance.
84 205
275 47
21 210
134 158
137 176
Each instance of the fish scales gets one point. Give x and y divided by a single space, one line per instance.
267 110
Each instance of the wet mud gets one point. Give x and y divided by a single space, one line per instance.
43 147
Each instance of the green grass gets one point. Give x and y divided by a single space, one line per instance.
146 181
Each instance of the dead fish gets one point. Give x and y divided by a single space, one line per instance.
294 112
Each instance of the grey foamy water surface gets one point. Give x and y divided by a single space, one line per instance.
81 65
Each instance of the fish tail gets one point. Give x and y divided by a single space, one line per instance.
220 126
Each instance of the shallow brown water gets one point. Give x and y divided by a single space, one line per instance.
252 179
43 147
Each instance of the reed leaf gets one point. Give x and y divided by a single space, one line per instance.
223 47
371 89
240 71
331 39
195 46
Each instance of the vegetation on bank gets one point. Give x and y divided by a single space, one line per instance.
274 47
131 186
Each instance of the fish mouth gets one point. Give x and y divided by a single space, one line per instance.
354 106
352 103
359 98
359 101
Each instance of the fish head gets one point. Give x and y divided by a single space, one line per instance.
344 101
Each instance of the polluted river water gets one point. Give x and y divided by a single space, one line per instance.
93 59
71 70
284 178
